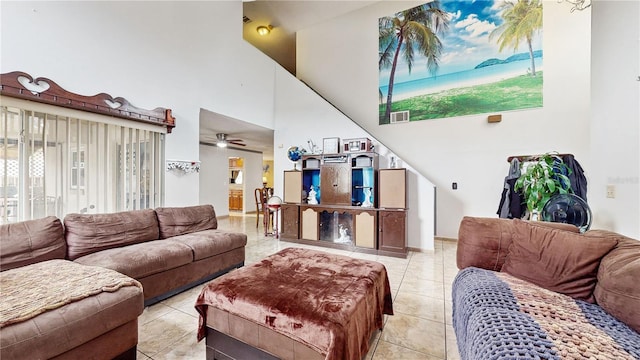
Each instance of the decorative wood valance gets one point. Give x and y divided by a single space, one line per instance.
21 85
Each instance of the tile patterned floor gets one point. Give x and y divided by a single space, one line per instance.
421 284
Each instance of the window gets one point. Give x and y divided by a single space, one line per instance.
53 164
77 169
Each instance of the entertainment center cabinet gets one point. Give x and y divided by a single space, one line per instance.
344 201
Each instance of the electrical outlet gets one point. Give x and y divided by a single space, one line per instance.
611 191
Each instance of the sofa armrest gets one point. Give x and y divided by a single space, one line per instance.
617 290
484 242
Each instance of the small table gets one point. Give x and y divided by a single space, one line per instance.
272 205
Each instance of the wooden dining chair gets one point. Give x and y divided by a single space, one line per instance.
261 196
258 195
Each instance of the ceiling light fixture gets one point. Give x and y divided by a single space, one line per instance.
264 30
222 140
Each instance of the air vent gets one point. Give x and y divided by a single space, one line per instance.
399 117
245 19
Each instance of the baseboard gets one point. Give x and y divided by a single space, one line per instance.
439 238
445 239
419 250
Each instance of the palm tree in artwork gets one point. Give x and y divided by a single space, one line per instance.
407 32
521 21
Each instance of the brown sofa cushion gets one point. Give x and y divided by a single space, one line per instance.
89 233
31 241
617 290
557 260
484 242
184 220
212 242
140 260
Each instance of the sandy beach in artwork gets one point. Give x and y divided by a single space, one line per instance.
459 84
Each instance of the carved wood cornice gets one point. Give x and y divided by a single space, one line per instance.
21 85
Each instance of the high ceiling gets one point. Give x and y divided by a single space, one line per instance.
287 17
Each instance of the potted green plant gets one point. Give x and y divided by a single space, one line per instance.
541 179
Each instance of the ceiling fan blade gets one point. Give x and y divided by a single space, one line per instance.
236 142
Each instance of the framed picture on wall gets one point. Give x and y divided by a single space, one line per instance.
331 145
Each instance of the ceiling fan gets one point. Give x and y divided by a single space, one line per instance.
224 141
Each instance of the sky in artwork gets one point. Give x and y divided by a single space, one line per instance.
465 44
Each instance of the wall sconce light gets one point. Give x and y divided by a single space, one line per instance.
264 30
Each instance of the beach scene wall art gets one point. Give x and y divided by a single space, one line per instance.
454 58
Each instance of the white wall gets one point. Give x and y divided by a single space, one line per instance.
300 116
615 121
214 177
466 150
252 177
180 55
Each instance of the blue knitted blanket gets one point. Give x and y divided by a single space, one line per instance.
497 316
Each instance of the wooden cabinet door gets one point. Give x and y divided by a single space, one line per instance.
392 236
290 221
308 224
235 200
365 229
293 186
392 185
335 184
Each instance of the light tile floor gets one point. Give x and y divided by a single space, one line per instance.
421 284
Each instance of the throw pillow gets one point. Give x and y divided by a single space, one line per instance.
561 261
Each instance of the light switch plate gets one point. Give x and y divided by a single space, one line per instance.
611 191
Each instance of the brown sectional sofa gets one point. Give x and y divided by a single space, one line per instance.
162 252
191 249
543 290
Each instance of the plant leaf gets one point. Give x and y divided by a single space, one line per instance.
551 185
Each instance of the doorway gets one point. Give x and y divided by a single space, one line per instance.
236 184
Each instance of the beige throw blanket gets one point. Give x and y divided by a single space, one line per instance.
31 290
